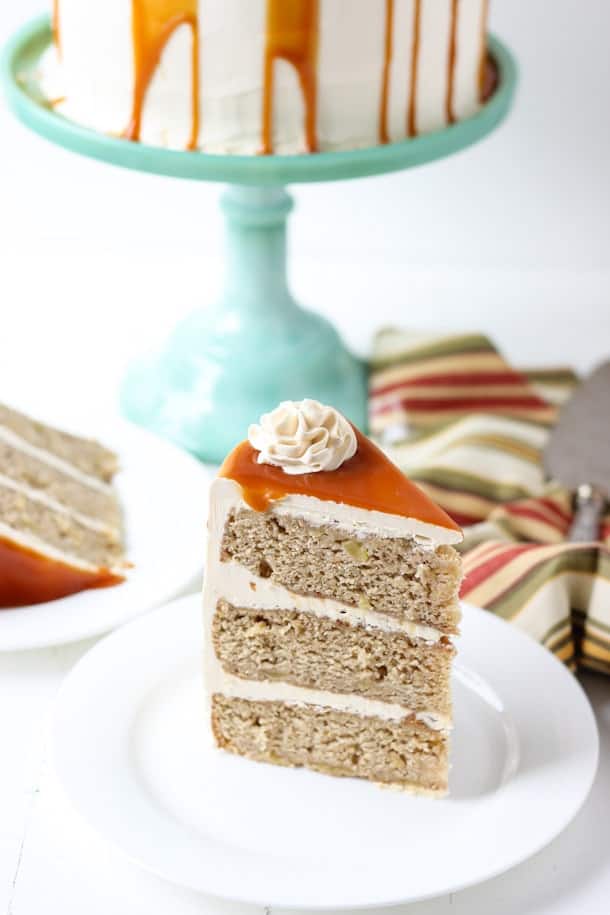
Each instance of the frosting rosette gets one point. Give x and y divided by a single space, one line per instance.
303 437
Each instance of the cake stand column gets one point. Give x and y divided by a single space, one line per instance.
224 366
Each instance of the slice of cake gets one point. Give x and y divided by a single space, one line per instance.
268 76
330 599
60 518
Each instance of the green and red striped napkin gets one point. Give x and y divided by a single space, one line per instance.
471 430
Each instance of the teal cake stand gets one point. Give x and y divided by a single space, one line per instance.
225 365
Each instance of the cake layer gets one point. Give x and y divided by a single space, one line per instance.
85 454
393 576
319 653
404 753
86 495
36 520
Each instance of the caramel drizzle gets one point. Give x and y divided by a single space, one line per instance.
483 58
367 480
451 61
153 24
292 35
384 136
55 26
412 114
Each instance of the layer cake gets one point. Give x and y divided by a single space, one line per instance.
330 602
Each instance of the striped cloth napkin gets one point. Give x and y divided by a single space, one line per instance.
471 430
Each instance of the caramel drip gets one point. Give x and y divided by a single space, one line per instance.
412 115
483 57
55 26
368 480
26 577
384 136
491 78
451 61
153 24
292 35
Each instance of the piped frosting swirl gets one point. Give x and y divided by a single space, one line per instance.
303 437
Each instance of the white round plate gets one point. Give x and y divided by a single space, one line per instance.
132 751
163 492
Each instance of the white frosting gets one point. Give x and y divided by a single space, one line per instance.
400 70
218 681
233 582
303 437
95 74
431 111
468 59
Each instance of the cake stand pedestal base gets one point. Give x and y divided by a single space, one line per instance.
224 366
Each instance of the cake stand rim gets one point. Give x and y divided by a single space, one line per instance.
19 56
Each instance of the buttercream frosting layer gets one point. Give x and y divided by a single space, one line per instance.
237 585
218 681
303 437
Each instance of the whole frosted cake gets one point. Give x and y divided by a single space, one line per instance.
263 76
330 599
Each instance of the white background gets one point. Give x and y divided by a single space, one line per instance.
510 238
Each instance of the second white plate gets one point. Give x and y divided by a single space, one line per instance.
164 493
133 754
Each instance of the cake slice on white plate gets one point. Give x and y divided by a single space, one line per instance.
330 602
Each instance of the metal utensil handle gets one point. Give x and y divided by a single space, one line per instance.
590 504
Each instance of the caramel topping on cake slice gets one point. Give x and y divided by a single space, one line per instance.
368 480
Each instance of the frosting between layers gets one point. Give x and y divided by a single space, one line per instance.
16 441
218 681
243 589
